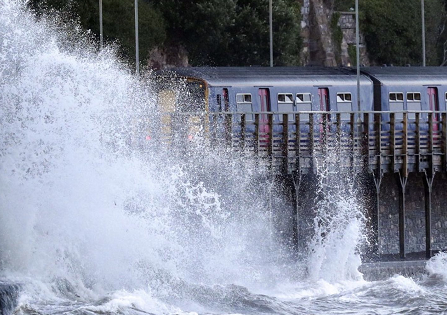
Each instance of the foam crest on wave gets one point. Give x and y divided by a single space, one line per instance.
339 223
437 265
90 214
80 205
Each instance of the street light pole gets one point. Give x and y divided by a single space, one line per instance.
271 31
423 32
137 49
100 26
357 44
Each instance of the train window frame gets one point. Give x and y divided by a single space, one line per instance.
395 94
411 97
289 102
245 100
341 97
298 100
304 102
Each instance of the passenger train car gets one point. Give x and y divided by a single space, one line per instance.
302 89
264 90
409 89
277 89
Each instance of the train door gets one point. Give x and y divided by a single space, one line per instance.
264 103
433 104
323 94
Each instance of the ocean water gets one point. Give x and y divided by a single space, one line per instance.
97 219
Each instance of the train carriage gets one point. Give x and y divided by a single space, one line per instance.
270 92
398 88
406 98
407 89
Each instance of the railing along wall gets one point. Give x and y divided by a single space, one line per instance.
380 142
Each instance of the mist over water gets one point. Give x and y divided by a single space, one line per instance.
95 218
87 209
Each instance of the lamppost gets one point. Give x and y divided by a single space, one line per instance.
357 44
423 32
100 26
137 50
271 31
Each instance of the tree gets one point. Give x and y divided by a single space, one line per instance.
344 5
118 22
287 32
395 38
233 32
213 32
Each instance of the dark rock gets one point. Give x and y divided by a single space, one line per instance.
8 297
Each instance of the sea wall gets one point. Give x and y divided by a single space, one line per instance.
415 208
376 271
387 246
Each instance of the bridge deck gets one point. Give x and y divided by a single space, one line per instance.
377 141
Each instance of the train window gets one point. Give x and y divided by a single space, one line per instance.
285 98
243 98
414 97
344 97
285 104
446 96
303 98
413 103
396 97
244 105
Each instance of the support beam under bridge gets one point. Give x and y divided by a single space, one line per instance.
386 145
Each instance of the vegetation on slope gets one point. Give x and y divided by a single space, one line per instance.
393 31
236 32
118 21
213 32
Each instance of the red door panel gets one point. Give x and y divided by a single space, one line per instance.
433 104
324 99
264 101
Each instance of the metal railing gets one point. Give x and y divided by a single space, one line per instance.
410 141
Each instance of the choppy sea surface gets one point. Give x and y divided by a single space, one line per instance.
95 218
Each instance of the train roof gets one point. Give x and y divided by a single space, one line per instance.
268 76
408 75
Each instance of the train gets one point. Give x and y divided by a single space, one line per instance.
303 90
